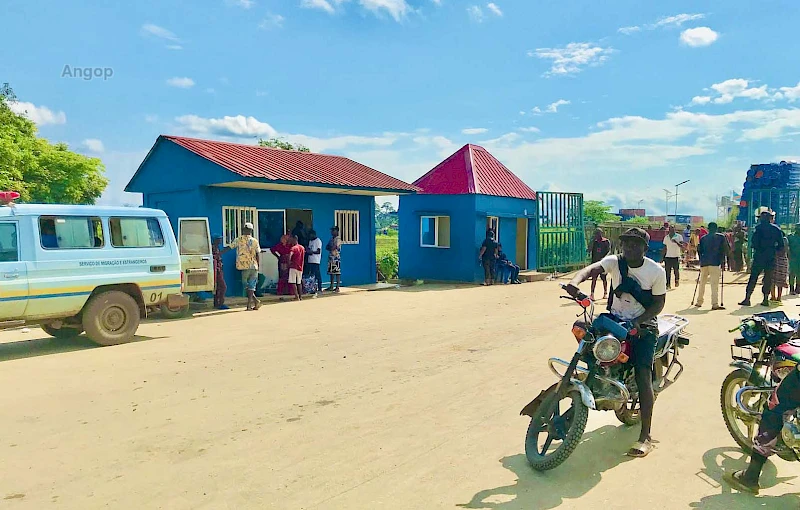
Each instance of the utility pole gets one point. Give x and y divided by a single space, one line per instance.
667 196
676 198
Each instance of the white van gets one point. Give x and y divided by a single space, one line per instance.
74 268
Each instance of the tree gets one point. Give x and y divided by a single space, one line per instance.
384 215
277 143
639 220
40 171
596 211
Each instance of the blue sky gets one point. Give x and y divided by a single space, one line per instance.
617 100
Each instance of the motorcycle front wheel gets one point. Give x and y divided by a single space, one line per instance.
562 424
735 418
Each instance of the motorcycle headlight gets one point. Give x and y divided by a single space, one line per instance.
607 349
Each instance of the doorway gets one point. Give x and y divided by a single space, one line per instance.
271 226
522 243
295 215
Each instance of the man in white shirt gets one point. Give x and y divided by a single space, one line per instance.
315 257
648 281
673 246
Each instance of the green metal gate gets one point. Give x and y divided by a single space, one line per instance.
561 240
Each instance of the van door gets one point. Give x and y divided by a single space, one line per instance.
197 262
13 274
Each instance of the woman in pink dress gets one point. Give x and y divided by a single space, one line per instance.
281 250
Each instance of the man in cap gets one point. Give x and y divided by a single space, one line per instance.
219 278
767 238
247 253
638 294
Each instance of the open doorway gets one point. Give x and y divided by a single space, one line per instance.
304 215
522 243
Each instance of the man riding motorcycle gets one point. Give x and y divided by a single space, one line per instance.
639 289
785 398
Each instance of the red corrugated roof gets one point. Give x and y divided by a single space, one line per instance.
472 169
290 166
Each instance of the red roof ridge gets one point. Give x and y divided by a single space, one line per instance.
205 140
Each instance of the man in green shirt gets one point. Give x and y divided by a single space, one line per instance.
794 261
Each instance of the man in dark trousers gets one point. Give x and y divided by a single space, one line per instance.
767 238
713 249
646 280
599 249
219 278
488 257
673 246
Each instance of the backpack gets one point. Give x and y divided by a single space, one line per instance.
630 286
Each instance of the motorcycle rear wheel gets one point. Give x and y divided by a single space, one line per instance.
572 423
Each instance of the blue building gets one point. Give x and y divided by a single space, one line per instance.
443 225
231 184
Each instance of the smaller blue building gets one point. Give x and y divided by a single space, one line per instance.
443 225
231 184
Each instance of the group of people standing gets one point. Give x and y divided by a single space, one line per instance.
777 257
299 255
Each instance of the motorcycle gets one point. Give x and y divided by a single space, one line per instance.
766 352
598 377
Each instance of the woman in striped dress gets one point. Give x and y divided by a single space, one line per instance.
781 278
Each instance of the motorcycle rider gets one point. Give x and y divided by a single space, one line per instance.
646 280
785 398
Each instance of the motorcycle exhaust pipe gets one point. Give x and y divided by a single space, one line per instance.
750 389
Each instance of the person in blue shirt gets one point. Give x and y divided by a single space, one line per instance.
767 238
505 268
713 249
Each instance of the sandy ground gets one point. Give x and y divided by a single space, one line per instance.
404 399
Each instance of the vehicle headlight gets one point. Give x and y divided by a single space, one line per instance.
607 349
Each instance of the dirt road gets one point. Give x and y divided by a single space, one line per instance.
403 399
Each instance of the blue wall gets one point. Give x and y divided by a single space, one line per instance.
467 231
189 195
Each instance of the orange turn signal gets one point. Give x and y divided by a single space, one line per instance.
579 332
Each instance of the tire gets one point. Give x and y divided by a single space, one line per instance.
111 318
174 314
577 424
727 397
62 333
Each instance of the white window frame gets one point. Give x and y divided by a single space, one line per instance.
494 220
241 215
435 231
345 232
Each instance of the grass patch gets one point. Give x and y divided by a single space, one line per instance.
385 245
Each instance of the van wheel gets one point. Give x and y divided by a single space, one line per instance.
111 318
63 332
180 313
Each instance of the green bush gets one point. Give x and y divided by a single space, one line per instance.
389 264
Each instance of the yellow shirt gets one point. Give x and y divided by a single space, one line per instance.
247 250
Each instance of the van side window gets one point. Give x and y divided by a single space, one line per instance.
8 243
135 233
70 232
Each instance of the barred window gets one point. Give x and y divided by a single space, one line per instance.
348 223
233 220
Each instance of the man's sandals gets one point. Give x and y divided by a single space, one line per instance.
736 481
641 449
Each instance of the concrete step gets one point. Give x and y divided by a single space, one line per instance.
532 276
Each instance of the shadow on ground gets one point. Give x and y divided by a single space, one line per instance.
46 345
599 451
719 460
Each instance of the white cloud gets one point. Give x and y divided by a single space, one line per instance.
94 145
174 47
237 126
181 83
494 8
40 115
244 4
502 141
701 100
318 4
160 32
475 13
150 118
791 93
536 110
667 21
730 89
553 107
474 131
572 58
397 9
697 37
530 130
271 21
